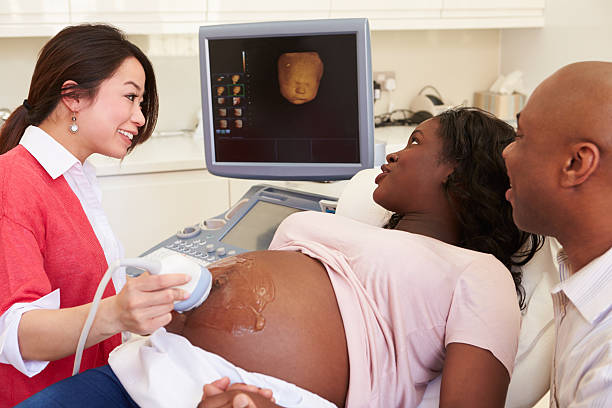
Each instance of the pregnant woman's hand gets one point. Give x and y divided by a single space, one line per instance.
220 394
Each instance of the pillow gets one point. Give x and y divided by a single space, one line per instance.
356 200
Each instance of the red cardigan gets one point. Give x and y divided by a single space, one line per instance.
46 242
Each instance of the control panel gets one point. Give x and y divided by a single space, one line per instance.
249 225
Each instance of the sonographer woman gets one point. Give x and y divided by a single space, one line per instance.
92 91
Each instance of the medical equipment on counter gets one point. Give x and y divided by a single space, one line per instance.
248 225
198 286
432 104
287 100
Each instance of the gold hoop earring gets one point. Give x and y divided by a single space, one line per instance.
74 127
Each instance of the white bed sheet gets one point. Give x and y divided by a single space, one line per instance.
165 370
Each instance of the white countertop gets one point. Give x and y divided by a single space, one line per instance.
395 137
183 151
158 154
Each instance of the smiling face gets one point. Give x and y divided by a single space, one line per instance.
526 170
299 74
412 180
108 123
554 166
534 162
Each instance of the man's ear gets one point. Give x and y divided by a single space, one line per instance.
71 96
582 163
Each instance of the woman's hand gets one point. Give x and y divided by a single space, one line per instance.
220 394
144 304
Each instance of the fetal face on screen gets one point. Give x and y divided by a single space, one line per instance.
299 74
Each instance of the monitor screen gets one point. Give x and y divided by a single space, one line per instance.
256 229
287 100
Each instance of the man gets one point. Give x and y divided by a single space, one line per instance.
560 170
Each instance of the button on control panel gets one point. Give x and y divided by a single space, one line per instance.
197 248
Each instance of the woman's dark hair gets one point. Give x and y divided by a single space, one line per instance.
474 140
86 54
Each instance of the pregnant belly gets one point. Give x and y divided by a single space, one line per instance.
274 312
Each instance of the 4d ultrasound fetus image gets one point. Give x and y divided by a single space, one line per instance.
299 75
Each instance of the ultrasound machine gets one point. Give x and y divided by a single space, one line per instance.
253 130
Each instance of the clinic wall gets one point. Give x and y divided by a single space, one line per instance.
573 31
456 62
178 78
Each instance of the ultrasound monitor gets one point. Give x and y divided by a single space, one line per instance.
287 100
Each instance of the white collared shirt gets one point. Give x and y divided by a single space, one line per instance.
58 161
582 364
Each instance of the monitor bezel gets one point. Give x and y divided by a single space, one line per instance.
292 171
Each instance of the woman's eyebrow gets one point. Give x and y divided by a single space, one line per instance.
132 83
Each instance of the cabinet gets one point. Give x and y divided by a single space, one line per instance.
442 14
266 10
142 16
46 17
494 13
390 14
33 18
144 209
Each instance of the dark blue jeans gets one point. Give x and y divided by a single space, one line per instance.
94 388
